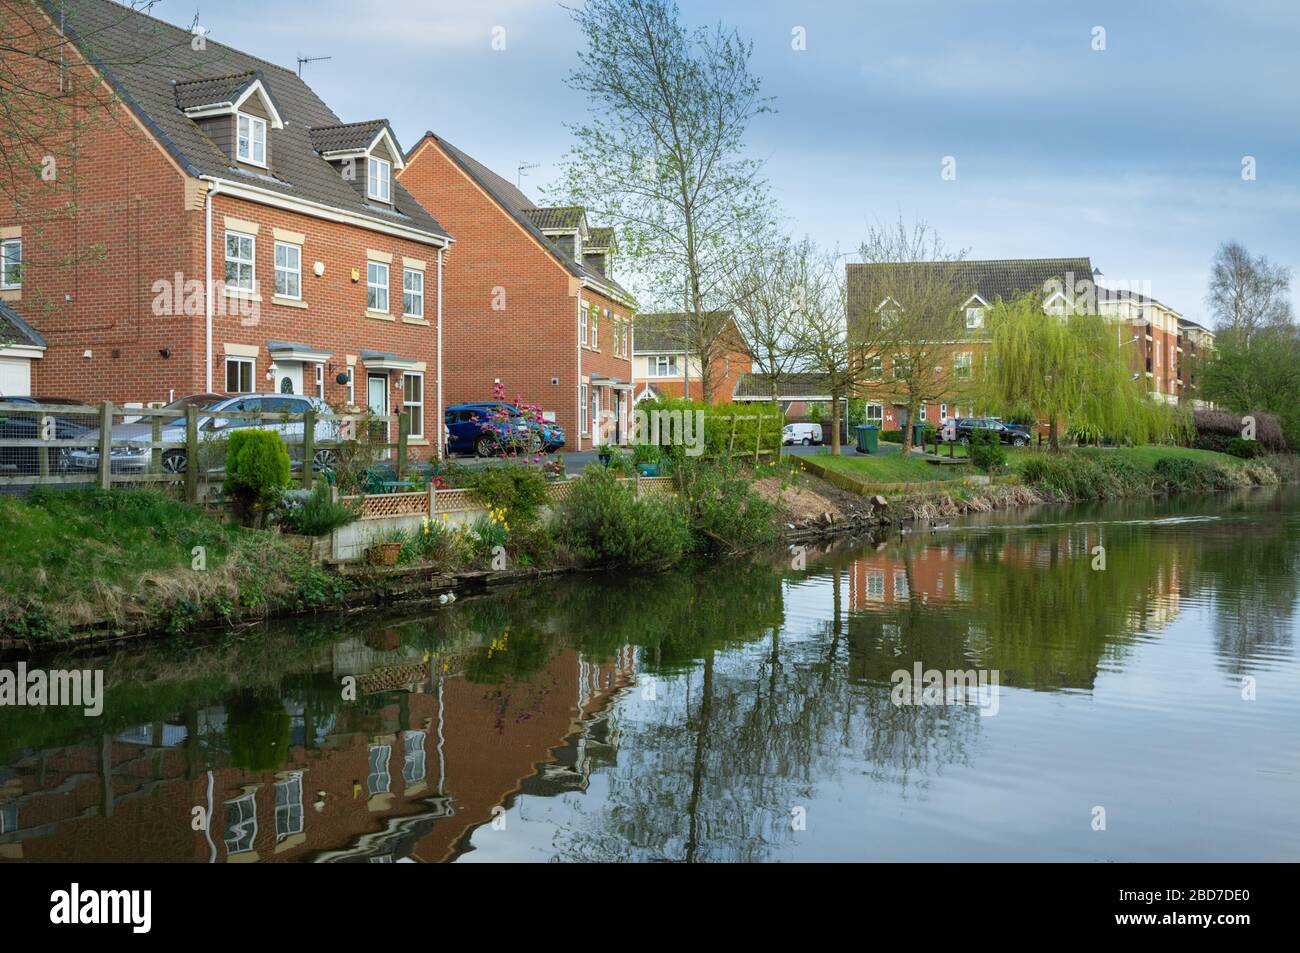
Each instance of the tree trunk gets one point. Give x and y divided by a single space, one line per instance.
1053 444
835 425
907 431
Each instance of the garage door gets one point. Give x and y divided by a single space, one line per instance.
15 376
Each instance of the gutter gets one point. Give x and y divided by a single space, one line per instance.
440 423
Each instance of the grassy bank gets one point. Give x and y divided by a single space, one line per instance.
128 557
1101 474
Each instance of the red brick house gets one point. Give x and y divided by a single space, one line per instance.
530 298
251 240
660 364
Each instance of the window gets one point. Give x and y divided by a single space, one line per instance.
902 365
288 807
352 388
11 263
241 824
379 173
251 146
875 368
875 584
239 375
379 781
875 414
320 381
241 271
900 584
943 412
595 414
664 365
888 318
413 757
582 408
288 270
412 293
595 328
974 317
377 286
582 325
961 365
413 402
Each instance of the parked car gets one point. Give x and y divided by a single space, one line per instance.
477 428
962 428
806 434
17 425
131 452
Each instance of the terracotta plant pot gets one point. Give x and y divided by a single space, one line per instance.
384 554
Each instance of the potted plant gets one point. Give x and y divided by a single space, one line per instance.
386 548
604 454
646 456
553 469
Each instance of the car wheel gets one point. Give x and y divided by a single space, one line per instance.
173 461
964 440
324 458
484 446
806 441
1020 442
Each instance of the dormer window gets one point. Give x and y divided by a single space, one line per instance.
379 179
974 317
251 143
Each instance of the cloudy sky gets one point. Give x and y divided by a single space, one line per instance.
1132 155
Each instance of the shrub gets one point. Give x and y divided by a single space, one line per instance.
1228 424
518 491
1087 475
986 451
1246 449
726 513
257 469
1180 475
603 520
646 453
317 513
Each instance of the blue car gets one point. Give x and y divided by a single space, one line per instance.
476 428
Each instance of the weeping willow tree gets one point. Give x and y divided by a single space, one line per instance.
1070 370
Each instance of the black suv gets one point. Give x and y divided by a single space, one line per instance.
1007 433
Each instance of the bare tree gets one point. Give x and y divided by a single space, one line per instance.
662 157
910 321
1248 294
768 307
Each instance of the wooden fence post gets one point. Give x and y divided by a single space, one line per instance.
155 454
105 445
403 431
43 453
758 437
308 446
191 454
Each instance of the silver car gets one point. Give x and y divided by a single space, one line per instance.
131 452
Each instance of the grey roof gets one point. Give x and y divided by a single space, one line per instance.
665 331
194 93
15 330
291 346
1105 294
568 217
599 239
151 65
795 385
520 208
348 137
991 279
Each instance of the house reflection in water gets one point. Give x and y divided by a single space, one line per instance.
404 774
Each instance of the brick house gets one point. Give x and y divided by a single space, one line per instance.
986 281
530 298
1151 333
660 363
1196 346
251 240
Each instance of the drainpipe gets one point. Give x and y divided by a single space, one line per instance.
440 424
577 323
213 188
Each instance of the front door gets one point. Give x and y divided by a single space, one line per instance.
288 379
377 399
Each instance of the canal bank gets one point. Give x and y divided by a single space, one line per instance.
183 573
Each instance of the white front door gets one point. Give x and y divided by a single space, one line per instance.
15 377
377 399
288 379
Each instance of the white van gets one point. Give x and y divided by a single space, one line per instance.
805 434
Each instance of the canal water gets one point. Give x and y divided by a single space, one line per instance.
1136 697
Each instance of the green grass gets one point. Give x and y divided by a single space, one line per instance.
86 557
892 468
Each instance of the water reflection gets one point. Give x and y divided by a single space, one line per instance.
737 712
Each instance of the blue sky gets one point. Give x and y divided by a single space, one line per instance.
1131 155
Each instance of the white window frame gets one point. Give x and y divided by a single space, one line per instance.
379 171
874 367
244 829
669 366
411 276
375 285
582 327
11 257
961 365
878 417
379 779
943 412
252 373
295 271
594 329
407 404
352 386
974 318
255 125
288 807
320 381
583 390
250 262
875 585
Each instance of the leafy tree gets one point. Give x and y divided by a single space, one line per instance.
1257 371
662 157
